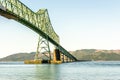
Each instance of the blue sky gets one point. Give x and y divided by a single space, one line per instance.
81 24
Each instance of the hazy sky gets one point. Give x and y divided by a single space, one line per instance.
81 24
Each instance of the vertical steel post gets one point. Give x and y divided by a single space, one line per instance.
37 52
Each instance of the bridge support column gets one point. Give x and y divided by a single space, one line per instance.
62 57
43 54
65 59
56 57
70 60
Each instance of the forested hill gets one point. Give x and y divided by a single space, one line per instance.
19 57
94 54
84 54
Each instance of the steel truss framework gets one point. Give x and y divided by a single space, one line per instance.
43 47
38 22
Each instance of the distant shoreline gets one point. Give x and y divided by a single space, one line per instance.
81 55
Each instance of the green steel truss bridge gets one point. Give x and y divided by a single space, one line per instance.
38 22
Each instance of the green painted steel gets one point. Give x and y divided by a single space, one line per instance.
38 22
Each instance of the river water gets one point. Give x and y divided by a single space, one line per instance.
102 70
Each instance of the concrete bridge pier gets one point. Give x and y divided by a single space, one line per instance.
56 57
65 59
62 57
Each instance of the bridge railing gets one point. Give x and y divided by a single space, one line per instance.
40 19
